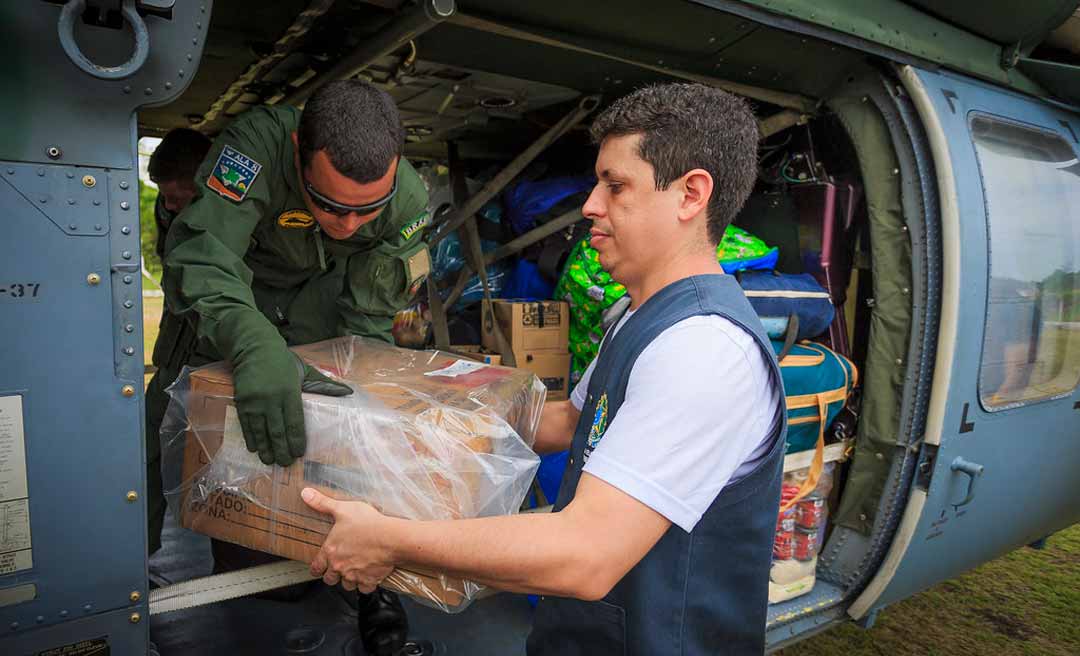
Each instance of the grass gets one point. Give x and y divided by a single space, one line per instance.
1026 602
152 306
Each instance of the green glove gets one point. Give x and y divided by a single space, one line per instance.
268 402
314 382
268 381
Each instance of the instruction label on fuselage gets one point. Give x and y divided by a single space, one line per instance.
15 547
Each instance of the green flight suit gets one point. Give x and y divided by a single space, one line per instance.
248 245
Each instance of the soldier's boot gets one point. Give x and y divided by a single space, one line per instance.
382 622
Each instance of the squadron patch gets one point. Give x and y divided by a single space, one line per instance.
233 174
295 219
416 226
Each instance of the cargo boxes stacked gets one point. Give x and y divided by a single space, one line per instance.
537 335
425 435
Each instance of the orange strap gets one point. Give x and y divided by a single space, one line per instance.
818 463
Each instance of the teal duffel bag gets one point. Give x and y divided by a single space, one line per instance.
816 379
817 383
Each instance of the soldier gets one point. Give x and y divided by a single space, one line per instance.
172 168
304 226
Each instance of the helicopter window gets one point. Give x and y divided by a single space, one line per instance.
1031 182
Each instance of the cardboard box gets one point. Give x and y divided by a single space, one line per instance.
476 352
528 327
229 495
553 370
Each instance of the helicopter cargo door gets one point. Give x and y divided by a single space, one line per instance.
1000 459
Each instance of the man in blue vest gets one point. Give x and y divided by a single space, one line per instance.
661 539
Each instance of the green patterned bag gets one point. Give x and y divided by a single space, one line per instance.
590 290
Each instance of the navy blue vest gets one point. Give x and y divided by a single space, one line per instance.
697 593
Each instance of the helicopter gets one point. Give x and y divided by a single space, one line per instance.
927 150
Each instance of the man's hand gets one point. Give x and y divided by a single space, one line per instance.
268 383
351 554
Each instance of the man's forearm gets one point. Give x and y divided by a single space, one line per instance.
534 553
557 424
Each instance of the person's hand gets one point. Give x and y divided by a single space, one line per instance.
268 381
352 553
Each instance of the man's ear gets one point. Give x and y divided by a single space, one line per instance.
697 188
295 140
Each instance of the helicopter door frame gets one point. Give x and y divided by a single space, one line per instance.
972 498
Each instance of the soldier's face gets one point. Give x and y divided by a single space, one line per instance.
338 190
177 194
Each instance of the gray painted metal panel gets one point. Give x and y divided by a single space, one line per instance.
122 635
71 318
58 105
1030 454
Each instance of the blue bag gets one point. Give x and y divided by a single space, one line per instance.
777 296
527 200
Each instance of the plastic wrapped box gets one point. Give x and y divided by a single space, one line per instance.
425 435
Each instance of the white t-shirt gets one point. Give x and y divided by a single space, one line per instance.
700 404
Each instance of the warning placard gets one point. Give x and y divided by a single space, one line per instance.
93 647
15 553
12 449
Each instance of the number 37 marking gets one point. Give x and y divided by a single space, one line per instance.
20 290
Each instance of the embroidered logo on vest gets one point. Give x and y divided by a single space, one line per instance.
599 426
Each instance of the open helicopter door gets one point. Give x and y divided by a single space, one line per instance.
999 459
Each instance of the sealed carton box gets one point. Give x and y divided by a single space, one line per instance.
425 435
553 370
529 326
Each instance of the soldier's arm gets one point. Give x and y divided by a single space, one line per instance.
204 273
380 282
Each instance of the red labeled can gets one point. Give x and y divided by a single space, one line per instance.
806 544
784 540
810 513
783 545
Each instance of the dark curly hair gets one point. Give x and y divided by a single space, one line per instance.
691 126
356 124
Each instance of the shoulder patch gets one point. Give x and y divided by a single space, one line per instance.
295 219
233 174
416 225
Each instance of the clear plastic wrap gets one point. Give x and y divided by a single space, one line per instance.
424 436
800 532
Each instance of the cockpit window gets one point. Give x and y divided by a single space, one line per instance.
1031 347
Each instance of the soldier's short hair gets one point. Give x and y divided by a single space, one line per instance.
178 155
691 126
356 124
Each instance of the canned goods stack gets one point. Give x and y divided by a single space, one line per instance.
800 532
784 540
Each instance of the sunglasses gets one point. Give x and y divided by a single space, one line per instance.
331 206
